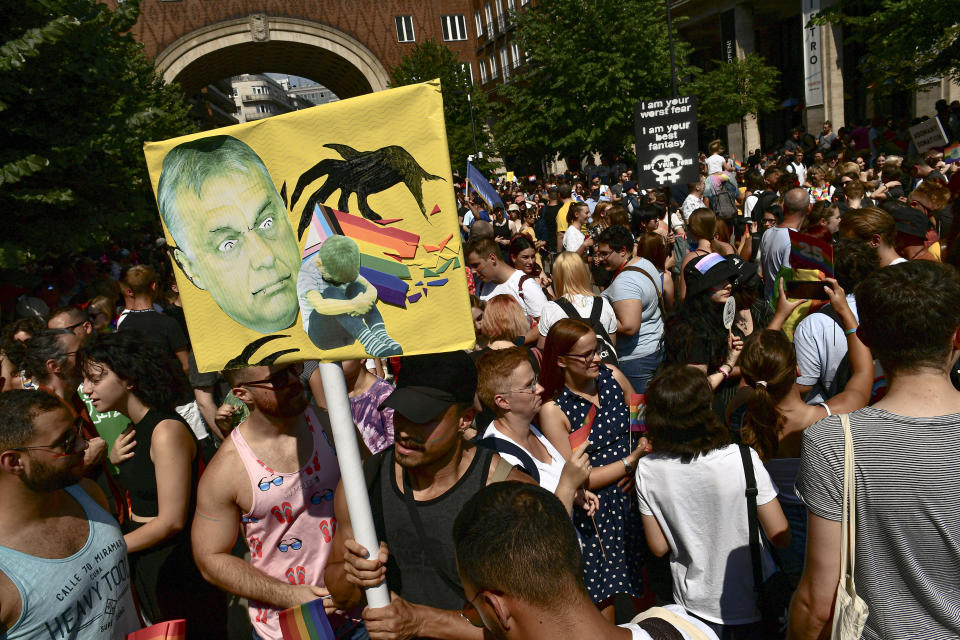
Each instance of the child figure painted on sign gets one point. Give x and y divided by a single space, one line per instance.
338 304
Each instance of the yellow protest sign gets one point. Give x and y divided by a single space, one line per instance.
510 177
328 233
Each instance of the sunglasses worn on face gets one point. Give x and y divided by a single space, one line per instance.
469 610
279 380
67 444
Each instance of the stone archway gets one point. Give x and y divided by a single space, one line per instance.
261 43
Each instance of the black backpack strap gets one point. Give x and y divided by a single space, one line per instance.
660 629
504 446
596 310
752 519
567 307
663 311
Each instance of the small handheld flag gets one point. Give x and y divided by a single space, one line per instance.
306 622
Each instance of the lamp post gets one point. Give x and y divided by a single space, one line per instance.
473 128
673 66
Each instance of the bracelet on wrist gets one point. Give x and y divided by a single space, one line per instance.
627 465
851 331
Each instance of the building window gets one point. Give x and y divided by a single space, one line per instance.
512 5
454 27
500 21
479 19
405 29
493 66
505 63
517 56
488 12
483 72
264 108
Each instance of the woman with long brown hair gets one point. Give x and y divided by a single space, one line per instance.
582 394
776 415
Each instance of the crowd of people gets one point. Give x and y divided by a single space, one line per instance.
651 430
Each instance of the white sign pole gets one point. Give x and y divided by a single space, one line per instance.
351 471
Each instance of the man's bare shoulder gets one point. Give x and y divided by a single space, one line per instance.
225 475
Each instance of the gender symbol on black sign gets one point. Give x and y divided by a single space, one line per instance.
666 133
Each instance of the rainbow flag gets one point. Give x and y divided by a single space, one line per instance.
951 153
306 622
169 630
736 163
638 407
582 434
807 252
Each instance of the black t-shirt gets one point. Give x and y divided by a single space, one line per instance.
549 213
158 329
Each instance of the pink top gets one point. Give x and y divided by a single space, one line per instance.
290 526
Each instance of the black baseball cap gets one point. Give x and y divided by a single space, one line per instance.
910 221
746 271
428 384
708 271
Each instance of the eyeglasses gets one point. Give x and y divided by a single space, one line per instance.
67 444
769 221
530 388
279 380
469 611
603 254
587 357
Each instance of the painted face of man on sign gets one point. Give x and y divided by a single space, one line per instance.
231 231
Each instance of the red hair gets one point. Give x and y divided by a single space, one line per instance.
562 337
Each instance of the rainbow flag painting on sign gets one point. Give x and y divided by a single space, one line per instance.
807 252
306 622
951 153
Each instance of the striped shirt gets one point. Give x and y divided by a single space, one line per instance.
908 515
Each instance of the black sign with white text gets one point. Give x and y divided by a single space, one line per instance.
667 149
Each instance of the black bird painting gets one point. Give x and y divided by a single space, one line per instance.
363 173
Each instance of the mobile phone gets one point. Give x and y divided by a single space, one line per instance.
806 290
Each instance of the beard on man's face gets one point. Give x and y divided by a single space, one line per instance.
46 478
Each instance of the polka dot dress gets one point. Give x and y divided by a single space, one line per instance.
617 569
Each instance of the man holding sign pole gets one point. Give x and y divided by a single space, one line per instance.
274 477
416 490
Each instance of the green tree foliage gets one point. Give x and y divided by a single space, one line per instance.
904 41
429 60
589 62
733 90
78 101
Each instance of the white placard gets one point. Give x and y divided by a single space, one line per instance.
928 134
812 55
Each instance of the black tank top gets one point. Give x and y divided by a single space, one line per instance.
138 475
412 572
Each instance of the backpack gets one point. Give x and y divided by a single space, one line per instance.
604 345
724 205
764 199
540 227
844 370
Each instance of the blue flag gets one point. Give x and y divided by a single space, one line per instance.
479 185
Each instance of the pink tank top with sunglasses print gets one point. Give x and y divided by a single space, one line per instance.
290 526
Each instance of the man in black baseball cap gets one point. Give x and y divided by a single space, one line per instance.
912 225
416 489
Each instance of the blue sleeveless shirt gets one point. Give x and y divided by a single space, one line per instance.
85 596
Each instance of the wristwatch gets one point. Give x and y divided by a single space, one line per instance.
627 465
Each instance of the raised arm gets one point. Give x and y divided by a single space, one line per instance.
856 394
